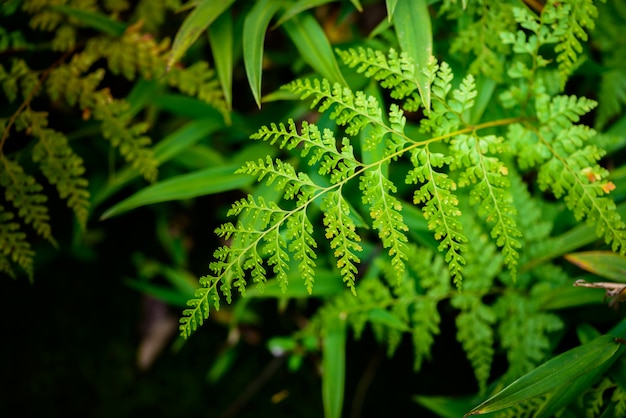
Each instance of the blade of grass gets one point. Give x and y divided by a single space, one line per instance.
199 183
557 372
254 29
603 263
221 41
334 369
411 20
198 20
310 40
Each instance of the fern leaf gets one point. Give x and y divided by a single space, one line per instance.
524 332
440 206
341 232
13 246
302 245
396 72
194 316
385 212
619 398
474 331
61 166
495 203
24 192
576 16
352 110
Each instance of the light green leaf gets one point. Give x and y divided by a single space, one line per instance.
310 39
334 368
186 186
554 374
198 20
391 8
93 20
603 263
221 41
254 28
411 20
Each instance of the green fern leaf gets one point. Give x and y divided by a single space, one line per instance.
475 332
385 212
495 203
341 232
440 205
14 248
25 193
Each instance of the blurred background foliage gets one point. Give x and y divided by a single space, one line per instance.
94 332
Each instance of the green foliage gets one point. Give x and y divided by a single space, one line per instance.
74 81
400 196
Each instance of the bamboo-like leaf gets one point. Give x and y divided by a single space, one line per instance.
411 20
186 186
310 39
221 41
334 369
254 28
93 20
603 263
198 20
391 8
554 374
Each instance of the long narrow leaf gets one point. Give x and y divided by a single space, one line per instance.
198 20
411 20
334 369
186 186
391 8
560 371
221 41
254 28
310 39
93 20
165 150
603 263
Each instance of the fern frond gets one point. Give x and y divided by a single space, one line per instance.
385 212
23 191
478 38
440 205
524 332
352 110
62 167
490 190
395 72
341 232
619 398
19 79
302 245
474 331
594 398
576 17
199 306
14 247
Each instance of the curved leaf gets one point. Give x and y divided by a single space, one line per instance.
254 28
411 20
310 39
93 20
221 41
198 20
186 186
555 375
